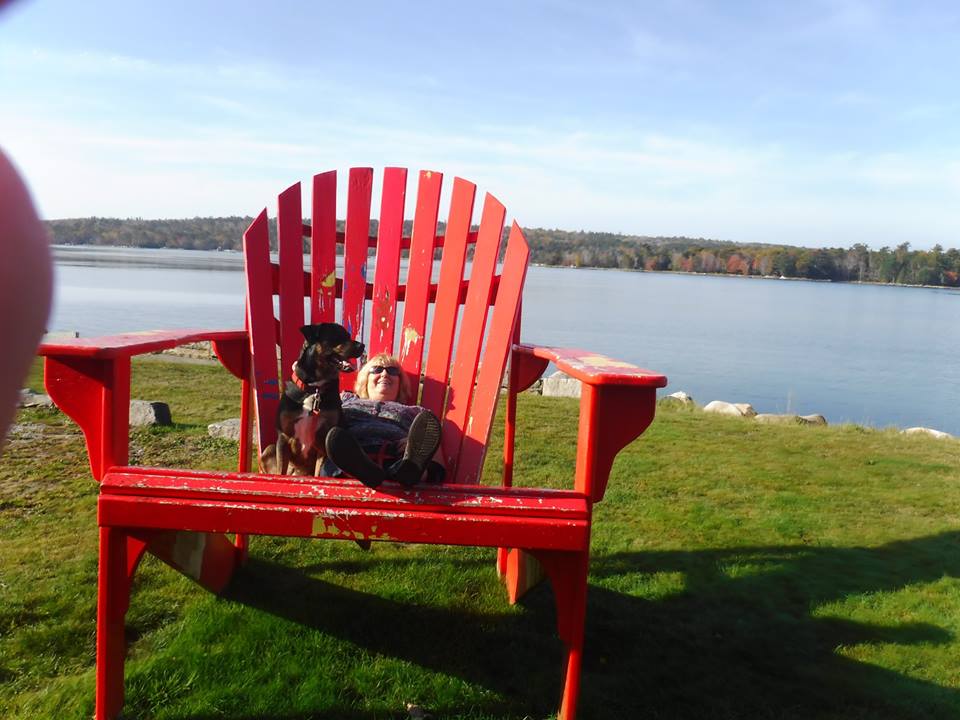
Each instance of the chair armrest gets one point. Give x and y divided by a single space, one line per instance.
89 380
592 368
135 343
617 403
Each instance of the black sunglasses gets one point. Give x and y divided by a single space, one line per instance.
391 371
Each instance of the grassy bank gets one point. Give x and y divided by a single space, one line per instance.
739 571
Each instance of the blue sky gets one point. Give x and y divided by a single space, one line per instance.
824 122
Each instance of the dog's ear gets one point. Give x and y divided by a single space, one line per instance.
311 333
333 333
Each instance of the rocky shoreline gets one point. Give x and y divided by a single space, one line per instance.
559 384
562 385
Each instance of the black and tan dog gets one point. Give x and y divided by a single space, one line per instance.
310 406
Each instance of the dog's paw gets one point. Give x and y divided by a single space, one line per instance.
268 460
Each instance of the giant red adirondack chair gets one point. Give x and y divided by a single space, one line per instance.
182 516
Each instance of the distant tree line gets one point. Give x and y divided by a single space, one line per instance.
578 249
223 233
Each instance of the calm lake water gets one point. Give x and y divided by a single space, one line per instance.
873 355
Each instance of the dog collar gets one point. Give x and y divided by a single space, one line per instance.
297 381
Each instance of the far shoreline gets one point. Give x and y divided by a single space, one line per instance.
78 249
749 277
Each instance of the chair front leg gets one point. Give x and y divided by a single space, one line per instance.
517 568
119 555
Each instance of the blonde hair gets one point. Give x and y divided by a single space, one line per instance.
404 393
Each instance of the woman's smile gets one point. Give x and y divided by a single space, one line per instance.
382 386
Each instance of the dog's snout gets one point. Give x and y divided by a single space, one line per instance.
351 349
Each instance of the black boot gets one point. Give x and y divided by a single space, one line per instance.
346 453
422 443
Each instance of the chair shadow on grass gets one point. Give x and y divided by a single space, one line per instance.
506 652
736 639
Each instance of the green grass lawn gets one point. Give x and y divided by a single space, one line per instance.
739 571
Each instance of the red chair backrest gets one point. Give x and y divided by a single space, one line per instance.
465 365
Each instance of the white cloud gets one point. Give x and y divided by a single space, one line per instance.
92 65
897 171
647 180
645 184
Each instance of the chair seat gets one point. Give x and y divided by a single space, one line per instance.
159 498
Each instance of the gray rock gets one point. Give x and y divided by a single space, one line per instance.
939 434
32 399
813 419
772 419
144 413
724 408
227 429
561 385
678 398
746 409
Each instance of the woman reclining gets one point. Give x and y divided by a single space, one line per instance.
381 437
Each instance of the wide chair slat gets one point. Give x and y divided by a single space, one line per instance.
290 242
463 378
387 275
355 250
323 248
456 240
263 345
419 271
506 309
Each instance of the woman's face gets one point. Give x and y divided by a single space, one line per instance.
381 384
